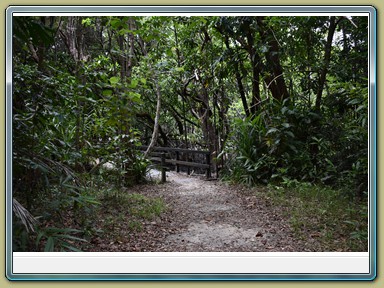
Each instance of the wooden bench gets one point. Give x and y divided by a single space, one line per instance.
163 152
182 163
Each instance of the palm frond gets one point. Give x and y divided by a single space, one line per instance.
24 215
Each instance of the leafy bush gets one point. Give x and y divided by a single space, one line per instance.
288 141
58 239
60 123
249 162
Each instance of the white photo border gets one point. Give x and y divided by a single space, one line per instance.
195 10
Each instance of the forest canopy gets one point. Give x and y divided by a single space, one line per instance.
274 99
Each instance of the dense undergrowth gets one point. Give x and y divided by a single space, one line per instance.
291 114
101 209
65 201
315 162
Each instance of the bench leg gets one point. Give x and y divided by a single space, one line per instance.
163 175
208 173
208 159
177 159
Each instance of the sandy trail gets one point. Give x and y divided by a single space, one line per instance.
214 216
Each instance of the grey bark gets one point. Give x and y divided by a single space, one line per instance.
155 133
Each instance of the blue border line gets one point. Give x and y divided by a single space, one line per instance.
374 156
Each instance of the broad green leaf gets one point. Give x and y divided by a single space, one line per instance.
134 83
361 107
39 236
107 92
114 80
50 245
71 237
126 31
290 134
293 148
70 247
169 52
86 22
135 97
115 23
83 98
272 130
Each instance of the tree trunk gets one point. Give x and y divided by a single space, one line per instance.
275 82
238 76
131 53
122 60
73 36
327 59
155 133
206 123
241 89
255 60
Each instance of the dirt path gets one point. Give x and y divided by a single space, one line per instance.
205 216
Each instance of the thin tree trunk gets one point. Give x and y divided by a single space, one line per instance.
122 59
238 78
327 59
206 123
131 53
182 129
73 37
255 60
155 133
275 81
241 89
255 81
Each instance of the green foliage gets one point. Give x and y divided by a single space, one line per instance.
358 235
77 121
286 141
249 164
144 207
20 237
58 239
60 123
31 29
320 212
264 145
121 210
